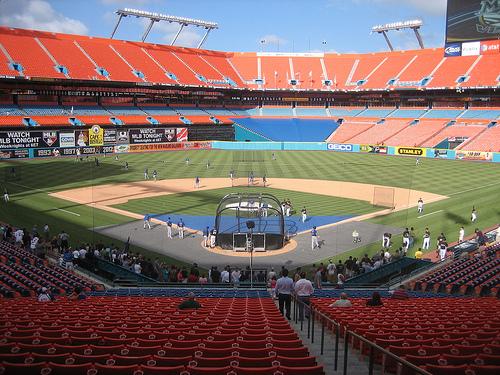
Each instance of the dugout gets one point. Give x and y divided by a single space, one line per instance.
233 213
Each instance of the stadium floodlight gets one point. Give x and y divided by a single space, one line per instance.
411 24
157 17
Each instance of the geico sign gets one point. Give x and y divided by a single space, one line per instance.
339 147
410 151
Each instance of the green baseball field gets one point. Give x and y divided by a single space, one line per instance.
31 183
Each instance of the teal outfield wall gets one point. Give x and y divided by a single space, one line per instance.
432 153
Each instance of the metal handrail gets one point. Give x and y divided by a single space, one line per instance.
315 314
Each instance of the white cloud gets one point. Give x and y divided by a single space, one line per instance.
426 7
38 14
272 39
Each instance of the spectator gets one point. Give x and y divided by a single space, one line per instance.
272 285
224 275
375 300
203 280
303 289
78 294
419 254
284 288
189 303
342 302
215 275
44 296
400 293
235 276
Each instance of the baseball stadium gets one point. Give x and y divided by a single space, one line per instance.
171 209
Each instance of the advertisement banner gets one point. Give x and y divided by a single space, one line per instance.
471 48
110 136
14 154
490 47
151 135
67 139
28 139
122 137
72 151
96 136
169 146
82 138
473 155
410 151
373 149
340 147
453 49
122 149
438 153
182 134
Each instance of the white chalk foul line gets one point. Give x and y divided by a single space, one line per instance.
430 213
68 212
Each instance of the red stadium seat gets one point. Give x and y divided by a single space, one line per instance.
63 369
208 370
8 368
155 370
310 370
446 370
115 370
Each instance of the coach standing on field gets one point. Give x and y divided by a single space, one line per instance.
284 289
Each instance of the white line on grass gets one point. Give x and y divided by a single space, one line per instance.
430 213
474 188
69 212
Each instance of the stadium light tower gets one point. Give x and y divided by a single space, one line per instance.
412 24
157 17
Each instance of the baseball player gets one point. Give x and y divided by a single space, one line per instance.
443 247
206 235
6 197
417 162
288 206
208 164
355 236
126 165
304 214
273 156
147 221
180 225
155 175
314 239
213 238
473 215
187 161
264 180
197 182
461 234
231 176
406 241
427 239
420 205
146 174
169 228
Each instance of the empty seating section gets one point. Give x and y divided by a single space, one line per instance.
242 335
191 111
70 56
364 67
310 112
349 130
425 331
486 141
39 110
11 110
125 110
415 135
277 111
27 52
464 275
380 132
444 113
133 53
376 112
275 71
454 131
345 111
290 130
420 68
446 76
309 71
388 71
23 273
222 64
104 56
201 67
38 52
485 73
490 114
338 69
82 110
408 113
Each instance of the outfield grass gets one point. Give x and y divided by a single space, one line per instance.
205 202
466 183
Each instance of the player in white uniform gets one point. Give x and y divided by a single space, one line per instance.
6 197
427 239
169 228
180 225
442 250
304 214
473 215
461 234
314 239
420 206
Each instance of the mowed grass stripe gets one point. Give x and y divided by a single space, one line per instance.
205 202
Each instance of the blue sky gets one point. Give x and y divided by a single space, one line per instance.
285 25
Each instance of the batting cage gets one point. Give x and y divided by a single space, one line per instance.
249 219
